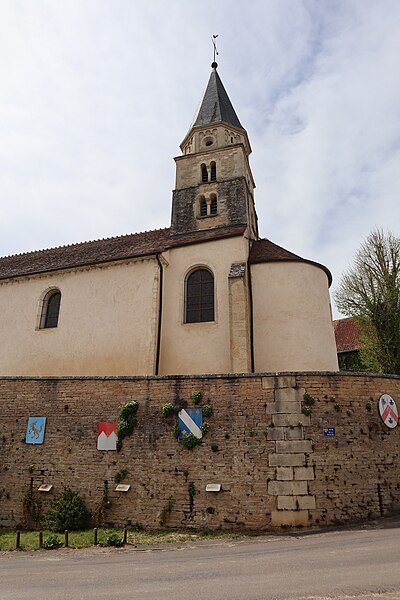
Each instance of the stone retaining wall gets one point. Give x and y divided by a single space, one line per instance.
275 465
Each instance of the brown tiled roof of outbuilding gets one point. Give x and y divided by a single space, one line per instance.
347 334
123 247
264 250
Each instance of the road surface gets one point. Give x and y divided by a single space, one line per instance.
362 564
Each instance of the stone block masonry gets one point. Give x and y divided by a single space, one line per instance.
275 465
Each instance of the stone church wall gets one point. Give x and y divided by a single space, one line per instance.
275 465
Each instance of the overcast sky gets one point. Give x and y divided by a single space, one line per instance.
96 96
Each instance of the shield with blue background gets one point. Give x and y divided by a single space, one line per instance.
190 420
35 430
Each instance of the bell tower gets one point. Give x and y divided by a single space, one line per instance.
214 184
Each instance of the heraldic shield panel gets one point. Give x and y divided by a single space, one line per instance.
190 420
107 436
388 411
35 430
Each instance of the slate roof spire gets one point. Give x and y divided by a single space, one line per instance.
215 106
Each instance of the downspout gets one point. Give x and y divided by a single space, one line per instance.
160 307
251 312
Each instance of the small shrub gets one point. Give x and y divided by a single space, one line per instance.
197 397
306 410
120 475
189 440
207 410
168 409
176 430
167 510
137 526
205 428
67 512
127 421
104 504
113 539
337 407
308 399
32 505
191 489
51 542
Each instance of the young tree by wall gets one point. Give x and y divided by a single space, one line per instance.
370 291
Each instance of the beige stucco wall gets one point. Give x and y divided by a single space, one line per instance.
292 318
195 348
107 323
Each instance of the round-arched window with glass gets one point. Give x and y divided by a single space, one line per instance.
51 309
199 297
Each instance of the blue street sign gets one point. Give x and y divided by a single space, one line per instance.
329 432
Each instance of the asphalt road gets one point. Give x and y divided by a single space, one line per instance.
363 563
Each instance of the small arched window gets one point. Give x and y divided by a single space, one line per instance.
213 171
204 173
51 309
199 297
214 205
203 206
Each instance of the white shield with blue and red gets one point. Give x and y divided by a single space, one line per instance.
388 411
190 420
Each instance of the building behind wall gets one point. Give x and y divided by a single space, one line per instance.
205 295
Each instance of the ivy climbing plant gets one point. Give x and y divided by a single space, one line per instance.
127 421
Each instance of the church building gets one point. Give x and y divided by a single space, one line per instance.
203 296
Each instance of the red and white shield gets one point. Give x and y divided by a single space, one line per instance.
388 411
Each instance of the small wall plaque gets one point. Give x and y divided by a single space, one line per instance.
329 432
213 487
122 487
45 487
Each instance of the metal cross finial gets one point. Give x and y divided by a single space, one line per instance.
214 37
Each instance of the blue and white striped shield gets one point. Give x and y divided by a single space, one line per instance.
190 420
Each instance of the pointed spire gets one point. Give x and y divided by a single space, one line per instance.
215 105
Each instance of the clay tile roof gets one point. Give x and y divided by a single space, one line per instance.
347 334
133 245
264 250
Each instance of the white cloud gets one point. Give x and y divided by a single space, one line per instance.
97 95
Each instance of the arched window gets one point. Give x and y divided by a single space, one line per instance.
213 171
214 205
51 309
199 297
203 206
204 173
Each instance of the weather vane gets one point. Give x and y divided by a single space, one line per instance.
214 37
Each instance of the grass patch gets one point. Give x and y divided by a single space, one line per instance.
84 539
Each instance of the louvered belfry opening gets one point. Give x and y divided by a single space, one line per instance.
214 205
213 171
204 173
203 207
199 297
